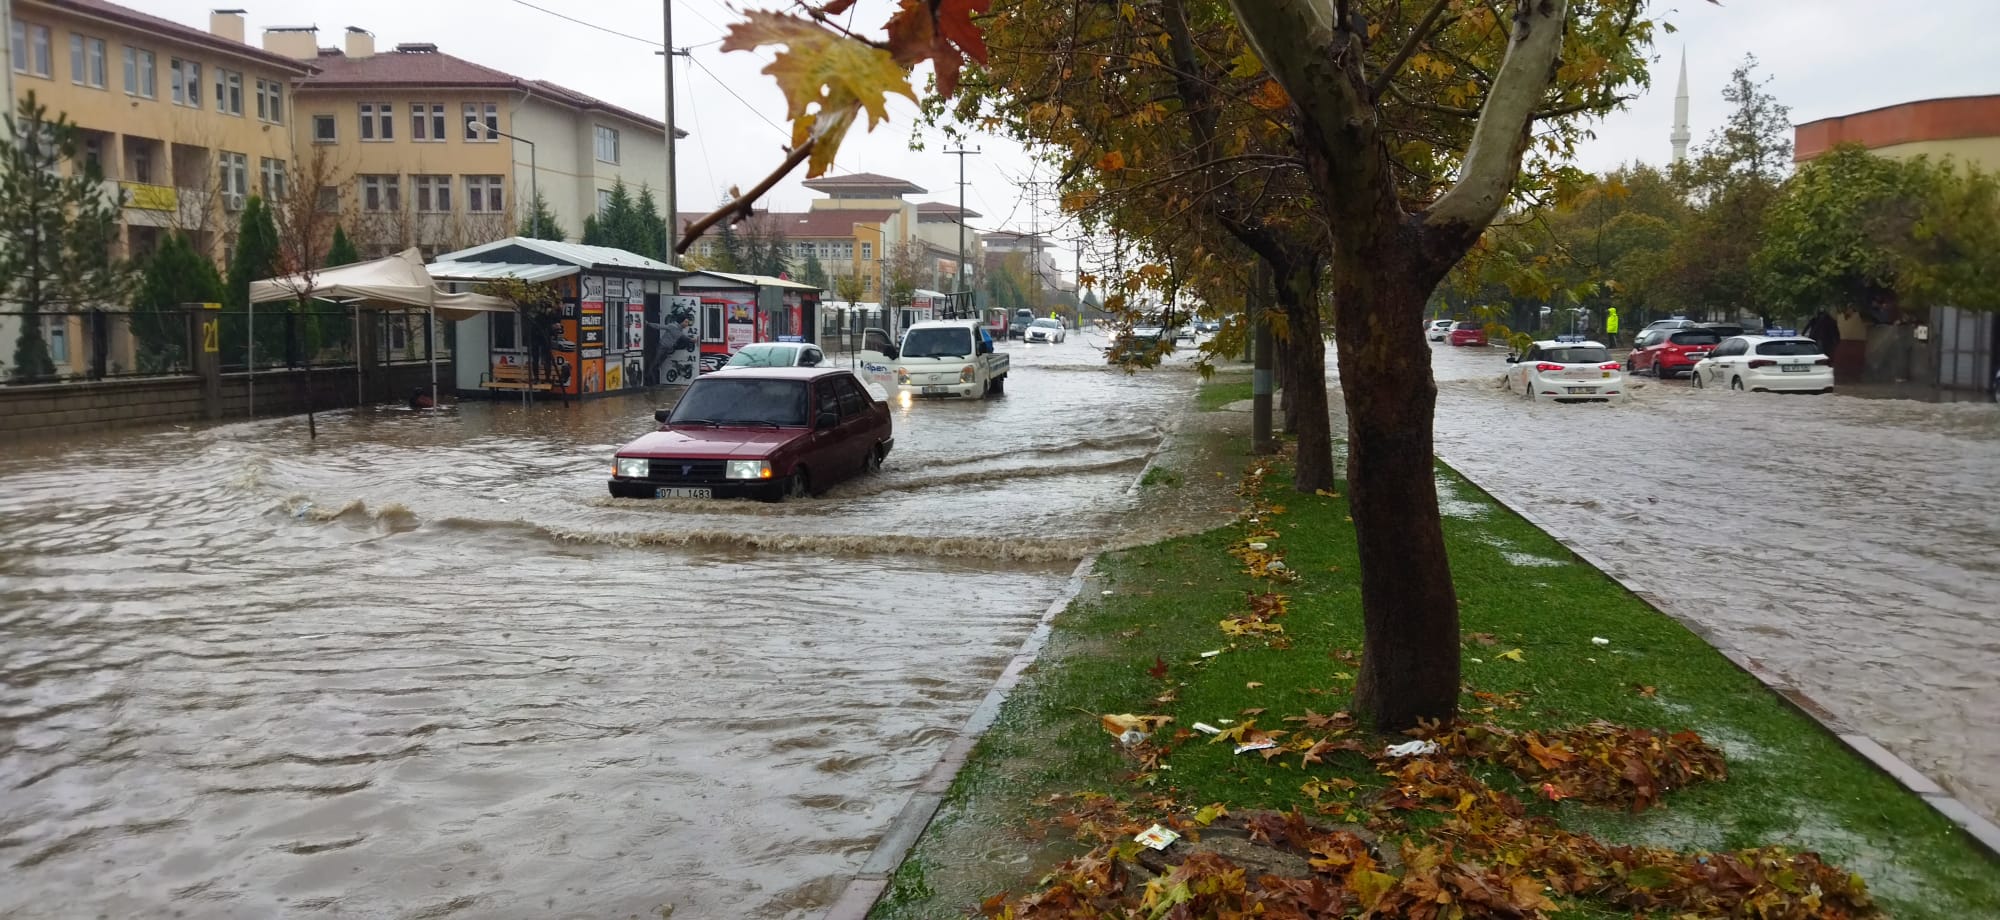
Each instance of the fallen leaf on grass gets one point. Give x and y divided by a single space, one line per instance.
1118 725
1483 638
1253 712
1510 655
1254 685
1159 669
1646 691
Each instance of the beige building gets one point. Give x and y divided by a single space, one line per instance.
441 153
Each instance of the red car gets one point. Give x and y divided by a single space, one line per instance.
1670 352
767 433
1468 333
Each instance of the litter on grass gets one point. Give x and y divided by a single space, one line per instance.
1157 837
1599 640
1206 728
1413 748
1211 654
1259 745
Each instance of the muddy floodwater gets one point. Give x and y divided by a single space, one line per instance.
423 666
1853 545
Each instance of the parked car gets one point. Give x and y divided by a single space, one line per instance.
1023 318
1667 353
767 433
1436 330
1725 330
1468 333
1139 343
950 358
1789 364
776 354
1047 330
1185 332
1669 324
1210 326
1567 371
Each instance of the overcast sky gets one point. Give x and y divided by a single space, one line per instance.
1825 57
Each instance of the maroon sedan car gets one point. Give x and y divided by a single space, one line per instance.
768 433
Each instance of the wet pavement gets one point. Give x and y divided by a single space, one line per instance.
423 666
1853 545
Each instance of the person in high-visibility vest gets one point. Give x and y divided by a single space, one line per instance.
1611 327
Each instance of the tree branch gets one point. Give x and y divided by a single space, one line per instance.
1417 37
1493 158
740 207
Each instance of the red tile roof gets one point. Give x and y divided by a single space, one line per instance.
430 69
167 28
861 180
939 209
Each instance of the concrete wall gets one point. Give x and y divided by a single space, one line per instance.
70 408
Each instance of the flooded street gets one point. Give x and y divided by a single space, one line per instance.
1851 544
424 666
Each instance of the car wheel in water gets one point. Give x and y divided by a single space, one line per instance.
874 463
1736 383
799 486
1694 377
997 386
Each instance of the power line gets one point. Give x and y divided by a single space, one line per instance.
590 25
746 103
700 138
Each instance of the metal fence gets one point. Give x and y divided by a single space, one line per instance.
94 345
39 348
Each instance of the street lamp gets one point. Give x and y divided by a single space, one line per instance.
534 196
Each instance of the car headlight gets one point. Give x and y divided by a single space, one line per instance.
632 467
748 469
902 375
965 374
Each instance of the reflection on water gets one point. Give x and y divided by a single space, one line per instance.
1851 544
424 666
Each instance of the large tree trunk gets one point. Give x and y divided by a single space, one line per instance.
1306 415
1288 410
1409 653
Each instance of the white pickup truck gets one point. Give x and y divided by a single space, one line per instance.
948 358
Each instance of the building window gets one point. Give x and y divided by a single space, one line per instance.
235 179
711 322
867 284
228 91
324 131
805 250
433 194
272 172
381 193
139 77
503 331
31 49
271 101
378 121
427 122
329 199
867 251
707 248
187 82
483 195
481 119
607 144
57 328
142 167
603 200
86 61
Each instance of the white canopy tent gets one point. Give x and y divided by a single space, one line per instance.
393 282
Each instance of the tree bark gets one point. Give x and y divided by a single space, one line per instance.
1306 416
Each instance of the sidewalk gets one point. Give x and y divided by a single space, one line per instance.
1176 629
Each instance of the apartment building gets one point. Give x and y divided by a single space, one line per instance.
1037 256
186 123
853 229
431 150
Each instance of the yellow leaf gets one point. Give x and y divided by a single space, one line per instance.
1510 655
1254 684
1368 885
1270 97
1208 814
1111 162
822 68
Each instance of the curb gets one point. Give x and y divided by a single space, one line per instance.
869 883
1984 833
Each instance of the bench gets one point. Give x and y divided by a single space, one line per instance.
512 377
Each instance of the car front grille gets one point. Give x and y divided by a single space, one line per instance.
673 471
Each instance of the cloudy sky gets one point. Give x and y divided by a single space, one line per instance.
1825 57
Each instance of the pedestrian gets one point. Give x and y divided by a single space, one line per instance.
1611 327
1824 331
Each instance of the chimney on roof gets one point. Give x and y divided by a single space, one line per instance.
360 42
296 42
226 24
417 48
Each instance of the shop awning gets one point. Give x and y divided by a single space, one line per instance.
471 272
389 283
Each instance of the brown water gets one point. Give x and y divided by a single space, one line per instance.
1851 544
422 666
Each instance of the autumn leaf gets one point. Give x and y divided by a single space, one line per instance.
1118 725
1270 97
826 78
1510 655
939 31
1483 638
1111 162
1159 669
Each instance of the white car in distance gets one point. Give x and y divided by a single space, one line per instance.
1436 330
776 354
1047 330
1778 364
1568 369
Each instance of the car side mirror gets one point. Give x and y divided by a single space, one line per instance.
891 352
660 415
1513 360
827 420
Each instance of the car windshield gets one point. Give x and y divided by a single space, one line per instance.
1576 354
1788 347
1047 323
730 400
1469 327
763 356
938 343
1700 337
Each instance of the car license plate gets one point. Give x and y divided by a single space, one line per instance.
677 492
935 391
1606 375
1797 368
1576 390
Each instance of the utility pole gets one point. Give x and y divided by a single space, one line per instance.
667 53
964 284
